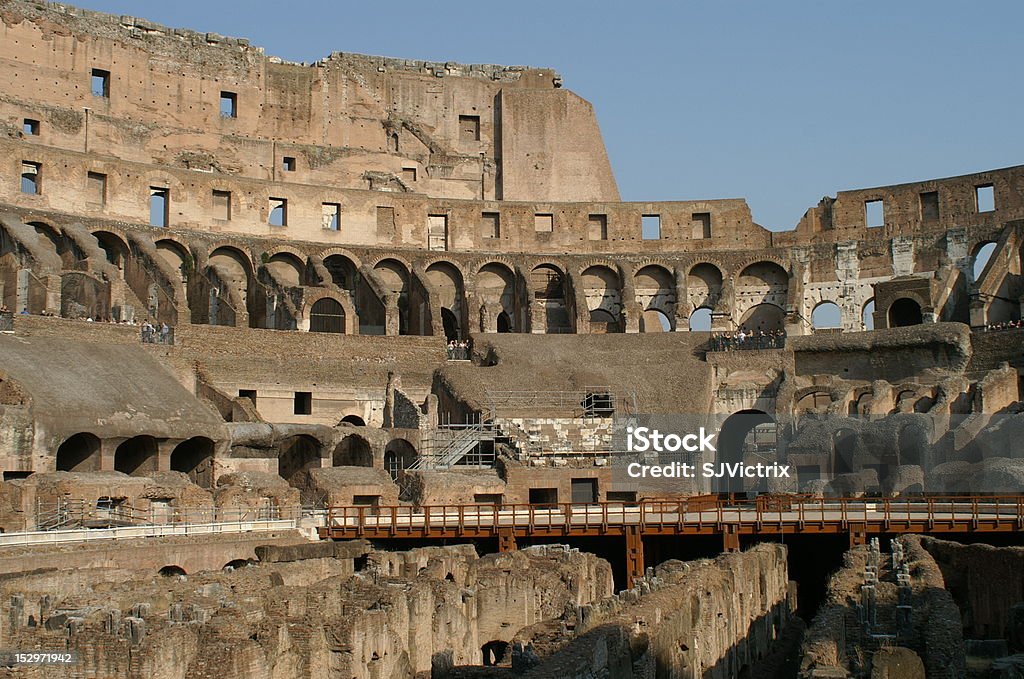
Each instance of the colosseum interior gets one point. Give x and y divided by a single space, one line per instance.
327 370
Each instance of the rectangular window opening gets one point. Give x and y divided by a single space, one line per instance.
543 222
437 232
490 225
159 205
30 177
408 174
469 128
331 216
249 394
288 164
597 227
100 83
700 223
930 206
96 188
278 212
874 213
228 105
487 498
222 205
30 127
303 403
650 227
985 198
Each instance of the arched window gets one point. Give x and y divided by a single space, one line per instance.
904 312
826 315
327 315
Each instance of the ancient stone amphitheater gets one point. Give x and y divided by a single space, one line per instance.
324 370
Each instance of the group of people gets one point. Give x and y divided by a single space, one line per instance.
156 334
754 339
458 350
1005 325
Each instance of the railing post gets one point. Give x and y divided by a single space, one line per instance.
634 554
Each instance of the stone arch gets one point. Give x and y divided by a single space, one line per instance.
763 317
296 454
343 270
740 436
230 276
194 457
981 255
394 276
172 571
812 400
548 291
602 289
115 248
352 451
655 290
448 284
905 312
137 456
52 238
79 453
399 455
176 255
762 282
287 268
826 315
700 320
496 653
353 420
655 320
704 285
496 285
327 315
867 315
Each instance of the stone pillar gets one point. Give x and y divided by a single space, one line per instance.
107 449
392 323
683 307
506 540
163 454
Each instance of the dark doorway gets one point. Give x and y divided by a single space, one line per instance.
136 456
79 453
904 312
195 458
584 491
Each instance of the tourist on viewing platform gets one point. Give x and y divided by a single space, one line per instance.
1005 325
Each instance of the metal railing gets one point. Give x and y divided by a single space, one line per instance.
745 342
6 321
685 515
68 514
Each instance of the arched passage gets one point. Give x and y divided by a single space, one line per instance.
352 451
451 325
394 276
704 285
172 571
547 287
195 458
867 316
764 318
136 456
176 256
745 433
287 269
79 453
446 280
904 312
826 316
655 290
603 293
230 278
115 249
495 284
495 652
504 322
981 257
700 320
762 283
327 315
398 455
353 420
296 455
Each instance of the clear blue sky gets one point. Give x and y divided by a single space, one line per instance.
777 102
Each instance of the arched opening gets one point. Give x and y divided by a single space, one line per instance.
604 299
352 451
547 284
79 453
495 284
393 143
655 320
844 451
451 325
496 653
176 256
235 564
446 281
136 456
53 240
700 320
399 455
172 571
655 291
504 322
353 420
286 269
229 273
813 402
867 316
826 315
904 312
763 318
115 249
982 255
745 433
296 455
327 315
704 285
394 276
861 405
762 283
195 458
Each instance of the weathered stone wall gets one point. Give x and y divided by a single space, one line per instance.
699 619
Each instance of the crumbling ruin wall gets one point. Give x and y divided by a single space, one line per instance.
710 618
985 582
